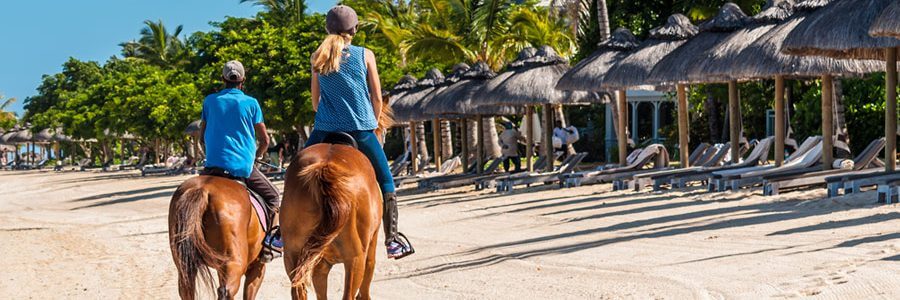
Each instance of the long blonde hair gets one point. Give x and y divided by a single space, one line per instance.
330 52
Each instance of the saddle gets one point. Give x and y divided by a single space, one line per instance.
263 212
340 138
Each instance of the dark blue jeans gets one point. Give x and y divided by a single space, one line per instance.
368 145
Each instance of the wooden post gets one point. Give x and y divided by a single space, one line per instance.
548 137
436 139
464 134
413 140
735 119
480 158
683 129
529 129
827 122
623 122
780 131
890 112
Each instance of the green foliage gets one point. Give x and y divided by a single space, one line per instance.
7 118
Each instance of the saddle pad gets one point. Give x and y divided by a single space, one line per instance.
258 207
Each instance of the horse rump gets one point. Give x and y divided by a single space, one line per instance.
192 254
328 185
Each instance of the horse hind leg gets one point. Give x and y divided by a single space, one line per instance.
364 290
320 279
354 271
230 280
254 279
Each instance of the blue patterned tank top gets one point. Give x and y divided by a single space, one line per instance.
344 103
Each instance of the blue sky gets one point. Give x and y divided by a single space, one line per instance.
38 36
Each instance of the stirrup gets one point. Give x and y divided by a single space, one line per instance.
407 246
269 251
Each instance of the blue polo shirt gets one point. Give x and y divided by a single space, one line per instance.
230 116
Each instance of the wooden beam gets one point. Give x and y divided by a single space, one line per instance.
621 137
548 137
734 119
779 121
890 112
413 140
827 122
529 130
436 138
683 127
464 135
480 134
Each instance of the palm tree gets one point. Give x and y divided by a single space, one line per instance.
283 10
7 118
157 45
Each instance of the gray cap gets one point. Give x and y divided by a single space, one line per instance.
341 19
233 71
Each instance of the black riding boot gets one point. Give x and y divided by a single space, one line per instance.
398 246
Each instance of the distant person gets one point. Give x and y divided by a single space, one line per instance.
562 133
231 126
509 141
346 95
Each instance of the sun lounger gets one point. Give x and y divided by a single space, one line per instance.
809 162
756 157
91 166
714 157
651 153
446 168
507 183
175 168
719 180
867 159
458 180
490 180
888 190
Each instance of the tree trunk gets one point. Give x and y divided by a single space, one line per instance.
603 19
446 140
473 138
492 139
713 119
840 121
420 138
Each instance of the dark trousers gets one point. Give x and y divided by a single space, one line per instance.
257 182
515 160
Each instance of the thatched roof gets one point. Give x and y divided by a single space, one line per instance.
6 137
534 84
193 128
634 69
675 67
458 99
888 23
588 75
58 136
44 136
841 30
427 102
763 59
21 136
407 107
721 59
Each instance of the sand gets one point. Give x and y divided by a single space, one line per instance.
103 235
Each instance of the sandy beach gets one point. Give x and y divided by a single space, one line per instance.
103 235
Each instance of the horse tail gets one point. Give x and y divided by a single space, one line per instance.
193 255
328 185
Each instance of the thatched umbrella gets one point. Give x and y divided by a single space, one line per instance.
632 71
407 107
23 136
437 124
403 86
675 68
532 81
193 128
826 33
458 100
762 59
589 74
888 23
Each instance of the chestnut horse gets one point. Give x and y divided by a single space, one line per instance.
331 214
213 225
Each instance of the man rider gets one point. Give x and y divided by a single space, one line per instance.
232 126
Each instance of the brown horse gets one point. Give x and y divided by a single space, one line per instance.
213 225
331 214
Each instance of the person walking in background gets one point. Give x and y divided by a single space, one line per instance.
509 141
566 136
